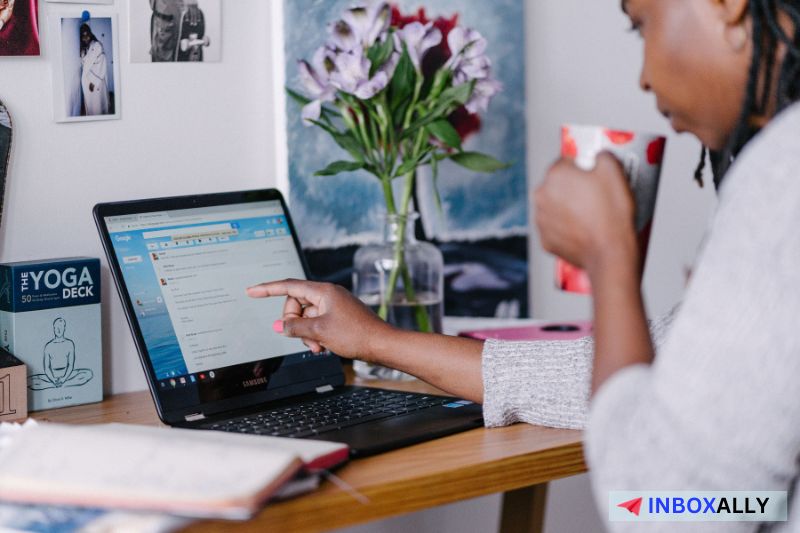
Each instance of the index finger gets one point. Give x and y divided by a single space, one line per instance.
562 162
306 292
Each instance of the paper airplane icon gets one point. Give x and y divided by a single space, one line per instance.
633 506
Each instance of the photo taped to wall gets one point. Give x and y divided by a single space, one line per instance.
86 75
175 31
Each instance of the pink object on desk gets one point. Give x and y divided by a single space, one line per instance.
554 331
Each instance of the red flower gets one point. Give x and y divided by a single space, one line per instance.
399 20
463 121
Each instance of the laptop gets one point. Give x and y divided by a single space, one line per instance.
212 361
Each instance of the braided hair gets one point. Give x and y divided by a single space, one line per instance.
767 35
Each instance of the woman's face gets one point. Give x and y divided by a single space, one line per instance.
695 63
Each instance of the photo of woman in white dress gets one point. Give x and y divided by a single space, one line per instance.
94 71
86 88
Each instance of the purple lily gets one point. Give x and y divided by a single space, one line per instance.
418 38
351 75
361 25
316 78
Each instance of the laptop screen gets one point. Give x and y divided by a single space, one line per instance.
186 272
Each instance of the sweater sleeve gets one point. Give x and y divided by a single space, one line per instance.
543 382
718 408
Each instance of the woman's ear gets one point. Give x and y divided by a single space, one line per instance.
733 16
733 12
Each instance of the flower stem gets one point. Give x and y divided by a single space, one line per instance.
399 266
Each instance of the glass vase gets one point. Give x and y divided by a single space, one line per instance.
401 279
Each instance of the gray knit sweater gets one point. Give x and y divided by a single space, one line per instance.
719 409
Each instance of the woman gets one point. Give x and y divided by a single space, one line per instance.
718 409
94 68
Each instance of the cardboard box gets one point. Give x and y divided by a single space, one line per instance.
50 319
13 396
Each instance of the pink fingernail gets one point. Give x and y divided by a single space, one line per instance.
278 326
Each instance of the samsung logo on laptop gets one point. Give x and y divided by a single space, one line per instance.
254 382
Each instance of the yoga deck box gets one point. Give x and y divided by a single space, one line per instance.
50 320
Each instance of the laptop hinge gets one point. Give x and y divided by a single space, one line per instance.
324 388
194 417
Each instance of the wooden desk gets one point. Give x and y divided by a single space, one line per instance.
517 460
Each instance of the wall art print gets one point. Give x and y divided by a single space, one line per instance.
86 72
481 225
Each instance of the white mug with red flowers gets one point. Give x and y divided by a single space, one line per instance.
641 155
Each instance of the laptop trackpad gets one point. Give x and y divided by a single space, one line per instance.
396 432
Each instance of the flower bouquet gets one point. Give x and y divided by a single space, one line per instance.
397 93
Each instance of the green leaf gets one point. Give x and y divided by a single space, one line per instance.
478 162
402 85
297 97
446 103
340 166
379 53
399 113
406 167
459 94
438 112
435 175
348 143
303 101
438 83
445 132
327 127
344 140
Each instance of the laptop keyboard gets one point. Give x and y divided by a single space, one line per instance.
331 413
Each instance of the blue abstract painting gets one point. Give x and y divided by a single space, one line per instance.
343 211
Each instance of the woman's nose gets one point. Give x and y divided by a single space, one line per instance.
643 83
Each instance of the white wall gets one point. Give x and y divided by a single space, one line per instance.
200 128
583 67
184 129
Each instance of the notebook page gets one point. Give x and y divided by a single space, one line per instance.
143 464
308 450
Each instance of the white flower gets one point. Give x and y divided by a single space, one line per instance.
419 38
484 90
352 73
316 78
362 25
478 68
466 46
469 62
342 36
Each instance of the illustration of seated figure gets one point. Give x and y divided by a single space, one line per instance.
59 363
